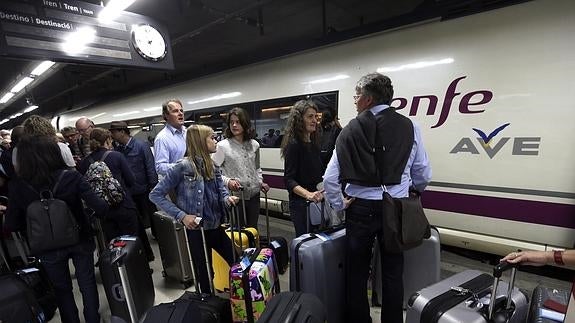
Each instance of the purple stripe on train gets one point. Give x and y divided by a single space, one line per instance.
555 214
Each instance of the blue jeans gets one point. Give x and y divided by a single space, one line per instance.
56 265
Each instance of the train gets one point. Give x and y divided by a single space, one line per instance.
491 92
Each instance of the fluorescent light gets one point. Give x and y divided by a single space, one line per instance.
22 84
125 113
42 67
30 108
97 115
328 79
4 121
415 65
76 41
113 9
217 97
16 115
276 109
152 109
6 97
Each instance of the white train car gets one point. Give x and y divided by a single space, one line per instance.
492 93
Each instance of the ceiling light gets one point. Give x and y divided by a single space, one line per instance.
30 108
97 115
76 41
113 9
42 67
152 109
4 121
328 79
22 84
415 65
6 97
125 113
217 97
16 115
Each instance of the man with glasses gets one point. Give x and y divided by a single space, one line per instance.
170 143
84 127
379 132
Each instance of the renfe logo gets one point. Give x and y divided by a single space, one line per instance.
481 97
522 146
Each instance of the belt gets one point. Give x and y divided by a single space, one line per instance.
366 202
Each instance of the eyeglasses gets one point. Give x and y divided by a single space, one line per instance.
83 130
356 97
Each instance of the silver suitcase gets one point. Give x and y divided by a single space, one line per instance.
318 267
421 267
173 251
467 297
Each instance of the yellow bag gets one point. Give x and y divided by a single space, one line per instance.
221 272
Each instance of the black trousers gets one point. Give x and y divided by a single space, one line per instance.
363 225
216 239
252 212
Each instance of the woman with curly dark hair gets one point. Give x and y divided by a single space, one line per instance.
300 150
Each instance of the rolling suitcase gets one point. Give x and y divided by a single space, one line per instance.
212 307
294 307
18 302
242 237
253 281
318 267
127 279
277 244
173 251
548 305
468 297
421 268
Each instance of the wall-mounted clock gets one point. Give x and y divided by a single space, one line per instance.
149 42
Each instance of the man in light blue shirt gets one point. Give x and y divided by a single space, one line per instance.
170 143
402 164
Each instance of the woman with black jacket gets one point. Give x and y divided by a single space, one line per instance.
39 165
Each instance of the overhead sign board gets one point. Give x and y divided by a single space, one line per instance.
70 31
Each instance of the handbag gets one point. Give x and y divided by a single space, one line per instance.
404 222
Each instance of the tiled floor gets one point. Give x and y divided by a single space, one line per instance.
167 290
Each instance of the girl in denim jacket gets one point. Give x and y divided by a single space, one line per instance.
200 192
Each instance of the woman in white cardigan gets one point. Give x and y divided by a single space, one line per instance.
238 157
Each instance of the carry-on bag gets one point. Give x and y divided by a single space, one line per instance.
173 251
421 268
294 307
212 307
127 279
277 243
253 281
18 302
470 296
548 305
178 311
242 237
318 267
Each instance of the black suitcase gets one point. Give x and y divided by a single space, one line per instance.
18 302
178 311
294 307
277 244
547 303
127 279
212 307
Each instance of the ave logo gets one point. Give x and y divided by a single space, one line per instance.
520 146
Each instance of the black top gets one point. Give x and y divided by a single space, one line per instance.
72 189
302 166
119 167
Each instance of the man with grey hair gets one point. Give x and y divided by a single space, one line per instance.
378 150
84 127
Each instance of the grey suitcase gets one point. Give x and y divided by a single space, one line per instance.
421 267
173 251
318 267
538 308
467 297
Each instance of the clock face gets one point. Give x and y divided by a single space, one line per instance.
149 43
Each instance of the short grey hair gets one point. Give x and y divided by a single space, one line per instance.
377 86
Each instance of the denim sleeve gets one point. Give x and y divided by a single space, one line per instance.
221 187
174 176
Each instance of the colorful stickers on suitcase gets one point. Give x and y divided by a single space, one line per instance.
262 278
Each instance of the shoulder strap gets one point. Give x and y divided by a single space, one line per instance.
58 182
105 155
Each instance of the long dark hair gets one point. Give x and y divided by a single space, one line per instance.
295 127
38 157
245 122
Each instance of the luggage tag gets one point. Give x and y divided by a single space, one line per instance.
322 236
127 238
275 244
29 270
245 262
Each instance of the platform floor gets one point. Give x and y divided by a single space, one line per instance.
451 263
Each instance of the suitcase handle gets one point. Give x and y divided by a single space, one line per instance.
118 292
497 272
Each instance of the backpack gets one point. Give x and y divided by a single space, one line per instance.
103 182
49 222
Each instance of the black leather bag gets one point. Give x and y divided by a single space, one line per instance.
404 222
